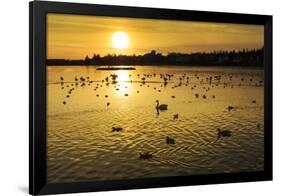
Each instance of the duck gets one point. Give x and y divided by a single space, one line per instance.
162 106
176 116
107 103
117 129
230 108
223 133
170 140
145 156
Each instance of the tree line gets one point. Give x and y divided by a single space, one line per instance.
245 57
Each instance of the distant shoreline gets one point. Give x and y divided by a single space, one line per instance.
189 65
216 58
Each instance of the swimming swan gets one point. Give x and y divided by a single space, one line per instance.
161 107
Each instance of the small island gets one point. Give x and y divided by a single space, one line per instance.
115 68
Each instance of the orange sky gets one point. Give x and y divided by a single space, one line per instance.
75 36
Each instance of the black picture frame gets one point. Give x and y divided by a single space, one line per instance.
37 96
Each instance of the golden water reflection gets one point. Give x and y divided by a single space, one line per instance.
82 146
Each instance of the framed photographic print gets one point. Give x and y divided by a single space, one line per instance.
128 98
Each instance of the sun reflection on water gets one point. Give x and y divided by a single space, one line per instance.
123 86
123 75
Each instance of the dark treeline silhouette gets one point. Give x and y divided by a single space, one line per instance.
244 57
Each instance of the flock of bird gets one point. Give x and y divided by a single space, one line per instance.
207 83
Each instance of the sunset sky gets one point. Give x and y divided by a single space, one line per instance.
75 36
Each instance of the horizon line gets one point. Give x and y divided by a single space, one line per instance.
172 52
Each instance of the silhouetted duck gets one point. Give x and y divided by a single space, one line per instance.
107 103
126 95
64 102
254 101
145 156
117 129
204 96
106 96
161 107
230 108
170 140
173 96
223 133
176 116
196 95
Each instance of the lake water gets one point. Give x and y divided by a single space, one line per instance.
81 145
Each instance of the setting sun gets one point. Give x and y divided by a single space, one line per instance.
120 40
